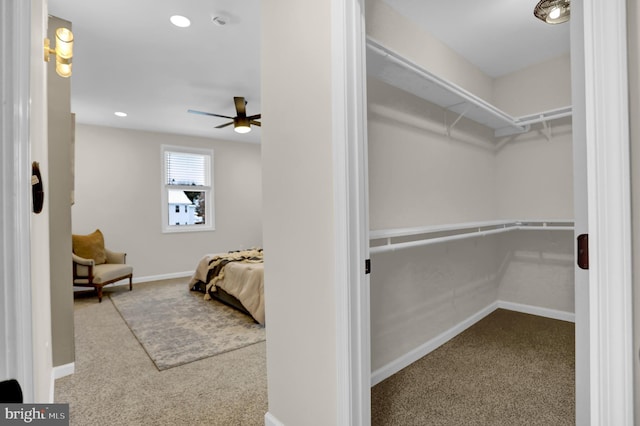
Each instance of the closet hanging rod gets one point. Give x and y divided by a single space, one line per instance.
479 229
430 229
545 116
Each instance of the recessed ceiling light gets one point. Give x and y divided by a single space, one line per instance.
180 21
120 114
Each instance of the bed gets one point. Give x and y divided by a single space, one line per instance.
235 278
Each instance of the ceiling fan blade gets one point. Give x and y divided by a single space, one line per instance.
240 105
224 125
254 117
193 111
255 123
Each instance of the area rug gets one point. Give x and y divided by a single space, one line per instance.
176 326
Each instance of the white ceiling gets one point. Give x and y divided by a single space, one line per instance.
498 36
129 57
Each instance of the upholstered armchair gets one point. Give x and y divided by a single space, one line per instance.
96 266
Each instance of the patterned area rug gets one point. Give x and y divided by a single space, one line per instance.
176 326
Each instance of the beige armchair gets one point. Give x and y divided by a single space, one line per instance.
99 266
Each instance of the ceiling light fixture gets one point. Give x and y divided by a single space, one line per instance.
241 125
553 11
63 51
180 21
219 20
120 114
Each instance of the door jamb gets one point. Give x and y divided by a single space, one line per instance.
609 207
353 372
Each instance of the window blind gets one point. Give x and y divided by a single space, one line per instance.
186 168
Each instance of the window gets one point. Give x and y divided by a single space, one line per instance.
187 196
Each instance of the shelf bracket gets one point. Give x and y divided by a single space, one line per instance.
462 114
546 130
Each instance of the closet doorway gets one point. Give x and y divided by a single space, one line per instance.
387 107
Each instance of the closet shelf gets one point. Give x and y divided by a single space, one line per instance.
387 240
399 72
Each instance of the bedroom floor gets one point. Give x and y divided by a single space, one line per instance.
508 369
116 383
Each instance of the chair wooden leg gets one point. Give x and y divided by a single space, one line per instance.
130 283
99 289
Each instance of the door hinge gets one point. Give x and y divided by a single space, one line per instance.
367 266
583 251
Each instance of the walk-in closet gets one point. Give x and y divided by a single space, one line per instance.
471 196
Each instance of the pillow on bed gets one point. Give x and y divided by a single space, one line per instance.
90 246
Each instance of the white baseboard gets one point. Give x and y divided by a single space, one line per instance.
64 370
161 277
270 420
536 310
429 346
148 278
56 373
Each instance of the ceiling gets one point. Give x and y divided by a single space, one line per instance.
128 56
498 36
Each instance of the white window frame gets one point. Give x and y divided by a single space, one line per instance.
209 225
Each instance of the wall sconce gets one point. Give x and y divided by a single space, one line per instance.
63 51
553 11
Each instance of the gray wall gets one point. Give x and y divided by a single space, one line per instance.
118 188
58 195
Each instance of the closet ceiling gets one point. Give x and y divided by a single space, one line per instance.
129 57
498 36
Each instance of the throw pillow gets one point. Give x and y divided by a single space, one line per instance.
90 246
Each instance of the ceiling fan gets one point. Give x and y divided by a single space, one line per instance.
241 122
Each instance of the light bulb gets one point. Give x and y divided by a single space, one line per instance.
555 13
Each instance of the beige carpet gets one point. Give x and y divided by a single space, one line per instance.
176 326
116 383
508 369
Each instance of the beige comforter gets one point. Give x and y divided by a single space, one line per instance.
242 279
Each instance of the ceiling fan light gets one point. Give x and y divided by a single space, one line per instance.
553 11
241 125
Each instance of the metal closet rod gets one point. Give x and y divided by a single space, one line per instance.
473 230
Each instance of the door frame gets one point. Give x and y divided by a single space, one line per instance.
16 341
351 207
580 214
606 125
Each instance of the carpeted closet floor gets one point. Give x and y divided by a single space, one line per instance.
508 369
